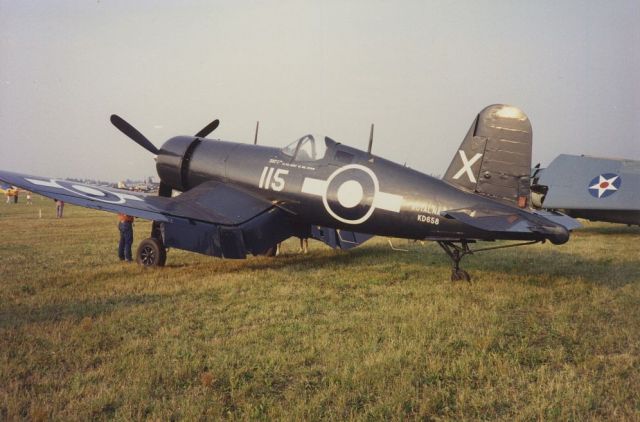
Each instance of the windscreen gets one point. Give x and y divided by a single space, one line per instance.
306 148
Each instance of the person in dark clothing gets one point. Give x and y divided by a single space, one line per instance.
125 225
59 208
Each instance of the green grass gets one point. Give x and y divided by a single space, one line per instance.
543 333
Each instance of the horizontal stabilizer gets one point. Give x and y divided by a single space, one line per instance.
494 223
552 226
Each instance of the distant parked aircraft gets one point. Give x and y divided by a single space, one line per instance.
594 188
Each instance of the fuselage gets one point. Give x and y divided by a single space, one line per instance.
344 188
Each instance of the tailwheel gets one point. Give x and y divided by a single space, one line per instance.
151 253
456 253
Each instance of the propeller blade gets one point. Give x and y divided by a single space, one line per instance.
208 129
133 133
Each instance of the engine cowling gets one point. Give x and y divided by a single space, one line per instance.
173 161
185 161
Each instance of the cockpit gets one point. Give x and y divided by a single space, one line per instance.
307 148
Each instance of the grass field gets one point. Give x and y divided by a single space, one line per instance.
543 333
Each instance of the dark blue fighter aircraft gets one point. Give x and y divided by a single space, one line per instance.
240 199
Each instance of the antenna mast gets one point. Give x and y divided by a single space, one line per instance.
370 140
255 138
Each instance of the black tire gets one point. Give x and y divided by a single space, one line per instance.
151 253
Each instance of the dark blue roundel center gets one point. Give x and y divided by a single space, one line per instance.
604 185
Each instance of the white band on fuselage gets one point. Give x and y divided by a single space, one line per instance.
383 200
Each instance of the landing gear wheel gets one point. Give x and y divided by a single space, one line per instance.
460 275
151 253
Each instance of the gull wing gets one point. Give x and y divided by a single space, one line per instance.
213 218
210 202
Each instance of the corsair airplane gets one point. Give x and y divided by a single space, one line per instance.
239 199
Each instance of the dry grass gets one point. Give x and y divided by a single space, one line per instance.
543 333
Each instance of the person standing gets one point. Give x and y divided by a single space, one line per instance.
59 208
29 198
125 225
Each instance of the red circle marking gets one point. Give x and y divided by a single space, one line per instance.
604 185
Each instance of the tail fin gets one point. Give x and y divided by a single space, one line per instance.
494 158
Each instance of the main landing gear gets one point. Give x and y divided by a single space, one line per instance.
151 251
457 252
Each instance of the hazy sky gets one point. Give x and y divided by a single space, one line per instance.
420 70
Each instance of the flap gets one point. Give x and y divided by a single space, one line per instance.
337 238
214 202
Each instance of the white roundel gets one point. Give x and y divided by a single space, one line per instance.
88 190
355 193
350 193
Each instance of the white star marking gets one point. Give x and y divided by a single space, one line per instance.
604 185
466 166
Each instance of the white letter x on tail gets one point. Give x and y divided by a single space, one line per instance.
466 166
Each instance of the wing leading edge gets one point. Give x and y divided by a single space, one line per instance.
211 202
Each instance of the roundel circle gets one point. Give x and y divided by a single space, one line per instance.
91 192
604 185
350 192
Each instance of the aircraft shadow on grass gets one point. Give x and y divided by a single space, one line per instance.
542 268
534 264
610 230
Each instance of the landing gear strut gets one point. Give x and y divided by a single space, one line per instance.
456 253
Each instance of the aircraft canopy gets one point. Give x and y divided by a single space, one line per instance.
307 148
